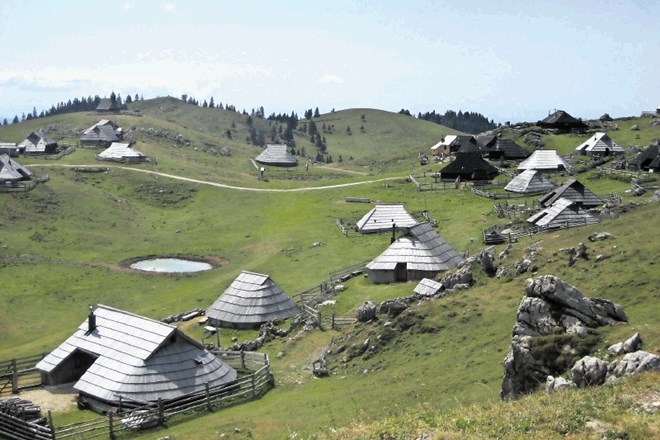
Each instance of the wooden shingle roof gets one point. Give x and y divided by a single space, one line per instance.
276 154
36 142
530 182
120 151
250 300
563 213
138 358
574 191
469 166
427 287
383 216
10 170
599 143
421 248
544 160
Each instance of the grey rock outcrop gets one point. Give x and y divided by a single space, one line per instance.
589 371
366 312
553 384
551 307
463 275
633 363
628 346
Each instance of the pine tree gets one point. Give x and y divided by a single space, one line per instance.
211 103
5 122
316 113
15 120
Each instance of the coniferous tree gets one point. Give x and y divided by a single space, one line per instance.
128 99
15 120
211 103
5 122
316 113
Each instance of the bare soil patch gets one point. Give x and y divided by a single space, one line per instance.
56 399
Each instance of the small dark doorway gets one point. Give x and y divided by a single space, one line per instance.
401 272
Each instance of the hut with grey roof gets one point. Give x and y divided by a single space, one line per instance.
251 300
428 287
101 134
506 149
383 217
544 160
9 148
277 155
420 253
12 172
121 152
562 121
563 213
530 182
574 191
600 144
37 143
115 356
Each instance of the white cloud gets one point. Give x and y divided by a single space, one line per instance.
127 6
331 79
169 7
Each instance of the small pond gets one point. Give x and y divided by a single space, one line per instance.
170 265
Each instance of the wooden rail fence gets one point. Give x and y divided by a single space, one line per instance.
133 417
19 374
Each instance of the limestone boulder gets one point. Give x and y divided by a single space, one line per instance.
633 363
366 312
589 371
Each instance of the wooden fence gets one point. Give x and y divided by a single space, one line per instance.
69 148
16 429
27 185
492 236
131 417
437 183
19 374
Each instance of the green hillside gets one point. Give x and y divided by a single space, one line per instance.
61 245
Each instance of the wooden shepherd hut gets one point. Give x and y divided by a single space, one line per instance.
561 120
37 143
544 160
116 357
383 217
600 144
121 152
101 134
563 213
469 165
12 172
506 149
574 191
530 182
277 155
419 253
251 300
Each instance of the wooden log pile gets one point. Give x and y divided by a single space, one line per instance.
22 409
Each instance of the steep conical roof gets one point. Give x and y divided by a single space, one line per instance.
561 120
250 300
277 155
383 216
545 160
421 248
530 182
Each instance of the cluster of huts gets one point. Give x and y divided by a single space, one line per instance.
117 356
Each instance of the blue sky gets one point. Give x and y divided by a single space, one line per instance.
509 60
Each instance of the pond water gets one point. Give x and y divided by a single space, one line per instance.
171 265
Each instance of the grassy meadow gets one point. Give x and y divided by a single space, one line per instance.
61 246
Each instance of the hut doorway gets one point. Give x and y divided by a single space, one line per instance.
401 272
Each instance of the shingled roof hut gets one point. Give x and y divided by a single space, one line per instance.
37 143
12 172
251 300
108 105
530 182
383 217
101 134
561 120
563 213
574 191
277 155
420 253
544 160
469 166
599 144
506 149
117 356
121 152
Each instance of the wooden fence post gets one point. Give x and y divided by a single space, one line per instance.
14 377
51 426
208 398
333 321
254 388
161 416
110 426
242 360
